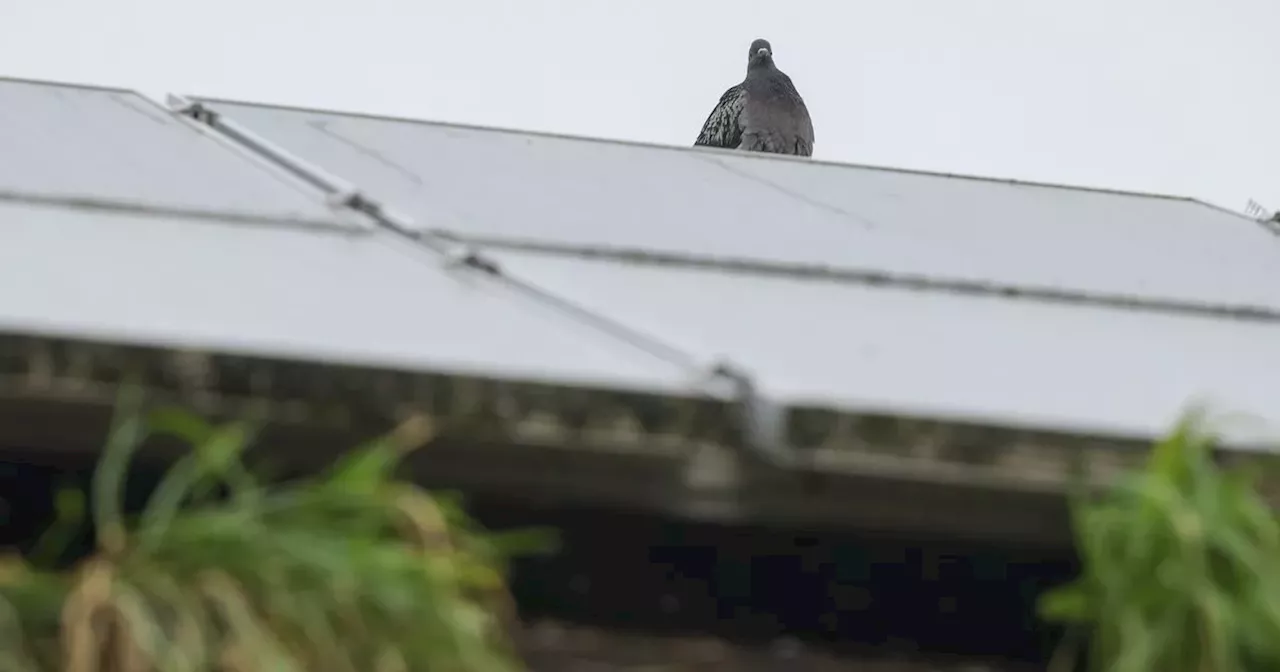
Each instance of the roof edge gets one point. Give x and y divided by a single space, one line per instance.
633 143
5 79
747 155
1228 211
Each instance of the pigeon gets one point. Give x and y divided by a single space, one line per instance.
764 113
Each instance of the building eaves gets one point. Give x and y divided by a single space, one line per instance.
389 294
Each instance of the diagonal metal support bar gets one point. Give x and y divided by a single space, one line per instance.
762 423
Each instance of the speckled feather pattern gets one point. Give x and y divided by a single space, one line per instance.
764 113
723 127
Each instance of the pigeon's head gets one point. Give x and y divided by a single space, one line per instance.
760 55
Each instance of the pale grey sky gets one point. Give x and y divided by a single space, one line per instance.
1173 96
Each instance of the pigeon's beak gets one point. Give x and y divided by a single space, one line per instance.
762 51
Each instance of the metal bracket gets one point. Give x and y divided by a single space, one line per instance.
463 256
194 109
761 422
346 198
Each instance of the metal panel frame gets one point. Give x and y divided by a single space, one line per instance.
760 417
199 214
1247 312
757 410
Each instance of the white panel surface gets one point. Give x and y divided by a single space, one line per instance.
89 143
357 298
1007 361
590 193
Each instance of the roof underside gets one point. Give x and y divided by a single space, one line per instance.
632 267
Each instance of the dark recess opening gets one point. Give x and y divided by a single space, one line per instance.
835 589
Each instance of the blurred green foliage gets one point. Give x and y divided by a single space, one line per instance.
1180 566
350 570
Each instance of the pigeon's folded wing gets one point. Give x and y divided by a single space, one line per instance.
723 127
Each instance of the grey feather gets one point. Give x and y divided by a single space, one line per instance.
764 113
723 127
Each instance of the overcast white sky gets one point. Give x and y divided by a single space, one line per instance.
1173 96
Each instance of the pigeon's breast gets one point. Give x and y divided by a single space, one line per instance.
774 106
